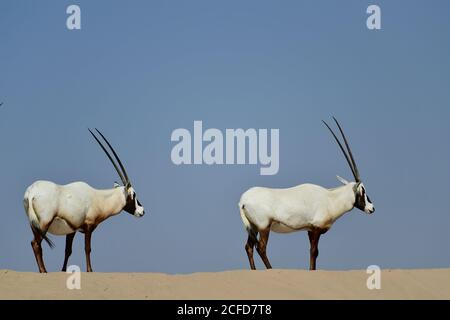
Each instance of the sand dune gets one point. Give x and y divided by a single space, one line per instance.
240 284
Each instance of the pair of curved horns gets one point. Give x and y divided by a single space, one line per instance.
349 157
122 173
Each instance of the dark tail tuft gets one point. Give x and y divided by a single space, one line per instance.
49 241
44 236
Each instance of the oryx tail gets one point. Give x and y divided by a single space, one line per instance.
251 229
34 220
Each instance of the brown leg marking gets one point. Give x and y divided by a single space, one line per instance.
69 241
37 249
262 245
87 245
314 236
251 242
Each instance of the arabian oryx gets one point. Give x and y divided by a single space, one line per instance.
304 207
66 209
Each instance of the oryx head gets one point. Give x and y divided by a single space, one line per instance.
132 206
362 200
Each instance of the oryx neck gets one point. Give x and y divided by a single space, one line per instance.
111 201
343 199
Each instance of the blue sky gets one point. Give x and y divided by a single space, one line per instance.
138 70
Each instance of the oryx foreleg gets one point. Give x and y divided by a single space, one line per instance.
68 251
314 236
87 245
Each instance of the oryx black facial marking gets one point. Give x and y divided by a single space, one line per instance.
362 201
133 206
130 205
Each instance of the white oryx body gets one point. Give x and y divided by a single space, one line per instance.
303 207
65 209
306 207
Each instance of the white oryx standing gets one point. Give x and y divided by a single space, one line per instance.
304 207
66 209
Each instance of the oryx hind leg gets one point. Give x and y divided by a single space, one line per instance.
39 230
262 246
37 249
251 242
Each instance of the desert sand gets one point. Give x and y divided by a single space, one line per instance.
239 284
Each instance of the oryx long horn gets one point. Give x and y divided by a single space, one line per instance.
116 156
357 177
110 158
343 151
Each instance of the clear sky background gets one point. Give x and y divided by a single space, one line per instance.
140 69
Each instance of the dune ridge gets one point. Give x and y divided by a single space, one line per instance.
236 284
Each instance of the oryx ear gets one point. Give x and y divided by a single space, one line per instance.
342 180
116 185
